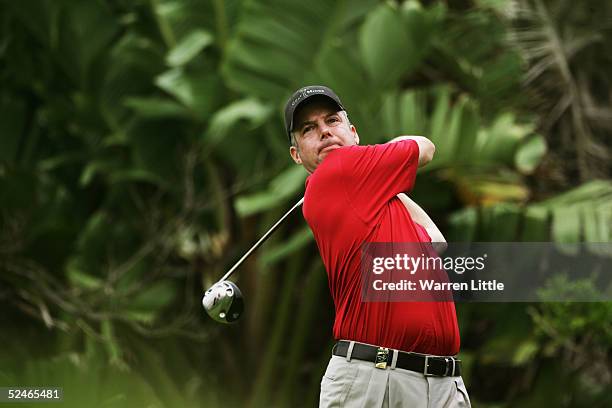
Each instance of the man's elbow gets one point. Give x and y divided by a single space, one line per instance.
426 151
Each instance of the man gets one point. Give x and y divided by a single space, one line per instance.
389 353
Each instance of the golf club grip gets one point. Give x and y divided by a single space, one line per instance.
261 240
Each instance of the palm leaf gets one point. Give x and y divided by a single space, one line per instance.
278 43
579 215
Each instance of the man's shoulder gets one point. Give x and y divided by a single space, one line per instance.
341 165
340 157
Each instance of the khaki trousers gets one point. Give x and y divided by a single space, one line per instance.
358 383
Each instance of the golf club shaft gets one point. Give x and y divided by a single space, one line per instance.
261 241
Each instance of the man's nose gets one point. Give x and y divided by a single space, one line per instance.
325 131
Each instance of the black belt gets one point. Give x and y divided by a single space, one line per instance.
439 366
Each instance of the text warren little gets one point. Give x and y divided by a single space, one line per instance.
430 284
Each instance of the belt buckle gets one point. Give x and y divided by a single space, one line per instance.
382 355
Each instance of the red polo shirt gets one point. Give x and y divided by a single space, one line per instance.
351 199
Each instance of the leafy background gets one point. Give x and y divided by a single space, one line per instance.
142 152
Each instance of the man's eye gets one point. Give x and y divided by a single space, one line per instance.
334 119
307 129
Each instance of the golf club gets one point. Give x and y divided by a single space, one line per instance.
223 301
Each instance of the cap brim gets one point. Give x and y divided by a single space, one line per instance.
309 97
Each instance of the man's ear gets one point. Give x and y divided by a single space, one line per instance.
355 134
295 154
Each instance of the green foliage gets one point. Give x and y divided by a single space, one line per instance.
578 215
285 185
562 44
394 42
189 47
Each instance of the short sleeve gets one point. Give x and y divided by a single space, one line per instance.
375 174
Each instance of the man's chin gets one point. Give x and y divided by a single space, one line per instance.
325 152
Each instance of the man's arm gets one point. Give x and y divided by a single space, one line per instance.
420 217
426 147
426 152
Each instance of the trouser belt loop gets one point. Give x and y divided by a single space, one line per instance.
350 351
394 360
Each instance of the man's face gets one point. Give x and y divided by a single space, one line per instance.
318 129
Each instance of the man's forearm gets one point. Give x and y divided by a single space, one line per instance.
420 217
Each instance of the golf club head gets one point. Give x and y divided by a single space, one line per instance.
223 302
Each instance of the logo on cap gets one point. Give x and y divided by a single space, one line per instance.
305 93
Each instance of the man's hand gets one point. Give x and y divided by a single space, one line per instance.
420 217
426 147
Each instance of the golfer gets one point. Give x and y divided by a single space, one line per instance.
388 354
